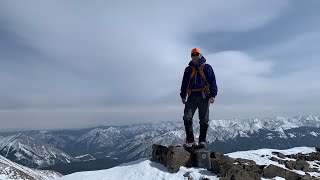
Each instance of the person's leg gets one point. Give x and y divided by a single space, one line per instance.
189 110
204 119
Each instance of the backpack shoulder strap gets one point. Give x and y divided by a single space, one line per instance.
202 73
193 72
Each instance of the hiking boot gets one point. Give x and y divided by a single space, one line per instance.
190 144
202 145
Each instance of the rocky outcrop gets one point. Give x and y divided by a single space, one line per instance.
173 157
272 171
293 162
159 154
176 158
237 169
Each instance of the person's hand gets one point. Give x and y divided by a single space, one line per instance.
212 99
184 100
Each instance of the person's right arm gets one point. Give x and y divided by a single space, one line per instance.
184 84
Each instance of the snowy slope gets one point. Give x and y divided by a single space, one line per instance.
31 152
140 170
144 169
101 138
10 170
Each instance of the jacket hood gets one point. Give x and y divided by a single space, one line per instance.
200 61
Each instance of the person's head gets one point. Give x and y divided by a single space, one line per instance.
196 54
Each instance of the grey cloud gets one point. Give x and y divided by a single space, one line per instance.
69 55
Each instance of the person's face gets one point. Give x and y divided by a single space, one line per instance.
195 56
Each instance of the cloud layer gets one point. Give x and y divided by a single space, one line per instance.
81 64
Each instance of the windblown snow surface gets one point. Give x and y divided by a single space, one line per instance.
145 169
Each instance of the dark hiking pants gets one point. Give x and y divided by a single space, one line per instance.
190 107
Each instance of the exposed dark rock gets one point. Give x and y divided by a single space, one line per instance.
314 156
272 171
177 157
221 165
159 154
215 155
308 177
280 161
298 165
279 154
187 175
228 168
239 174
204 178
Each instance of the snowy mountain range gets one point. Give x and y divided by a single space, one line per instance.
10 170
31 152
145 169
119 144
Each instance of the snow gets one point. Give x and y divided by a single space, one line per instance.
291 135
4 177
228 129
255 155
82 156
276 178
85 157
101 137
10 170
142 169
314 174
313 133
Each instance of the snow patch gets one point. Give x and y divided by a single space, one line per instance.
313 133
291 135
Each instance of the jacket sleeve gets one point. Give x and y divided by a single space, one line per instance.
211 78
184 84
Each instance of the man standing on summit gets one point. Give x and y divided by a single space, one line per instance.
199 83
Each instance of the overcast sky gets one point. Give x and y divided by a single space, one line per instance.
74 64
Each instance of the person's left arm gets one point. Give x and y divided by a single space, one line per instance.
211 78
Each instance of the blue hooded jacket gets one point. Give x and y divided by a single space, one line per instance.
200 83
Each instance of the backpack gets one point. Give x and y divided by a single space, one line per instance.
194 73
